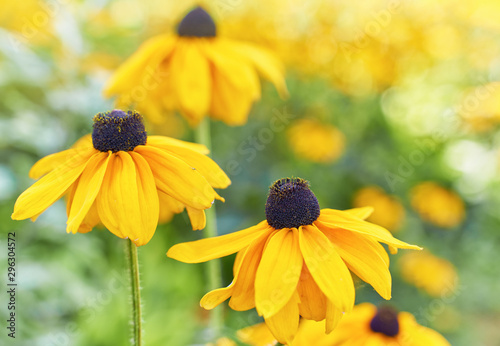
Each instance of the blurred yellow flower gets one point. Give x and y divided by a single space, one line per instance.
369 325
434 275
388 211
480 107
123 179
296 262
322 143
257 335
437 205
195 72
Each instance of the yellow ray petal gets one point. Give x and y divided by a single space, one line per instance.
333 317
362 213
266 64
50 162
50 187
363 258
312 301
416 334
173 144
206 249
197 218
243 297
256 335
86 192
284 324
339 219
203 164
190 73
278 273
138 70
327 268
177 179
90 220
168 207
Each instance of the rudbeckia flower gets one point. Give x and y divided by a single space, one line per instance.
369 325
437 205
296 262
389 212
124 179
195 72
436 276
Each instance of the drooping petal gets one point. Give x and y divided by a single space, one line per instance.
362 257
278 273
285 323
203 164
362 213
177 179
87 189
91 220
50 162
190 72
168 207
172 144
206 249
312 301
340 219
333 317
327 268
50 187
197 218
256 335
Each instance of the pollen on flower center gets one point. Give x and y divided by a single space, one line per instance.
291 204
197 23
385 321
118 131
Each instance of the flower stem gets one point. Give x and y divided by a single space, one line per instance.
136 293
202 135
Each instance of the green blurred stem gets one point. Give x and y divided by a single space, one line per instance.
136 293
202 136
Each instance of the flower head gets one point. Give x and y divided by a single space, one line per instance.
437 205
435 275
389 213
195 72
123 179
296 262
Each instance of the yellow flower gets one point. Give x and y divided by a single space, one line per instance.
367 325
435 204
480 107
434 275
124 179
389 213
324 143
296 262
195 72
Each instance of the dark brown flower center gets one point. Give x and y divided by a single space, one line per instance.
291 204
197 23
118 131
385 321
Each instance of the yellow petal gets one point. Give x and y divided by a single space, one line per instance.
87 189
256 335
278 273
50 187
416 334
215 297
362 257
333 317
362 213
206 249
284 324
50 162
312 301
327 268
177 179
90 220
197 218
243 297
340 219
138 70
173 144
203 164
168 207
190 73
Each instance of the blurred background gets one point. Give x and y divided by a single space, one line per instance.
394 104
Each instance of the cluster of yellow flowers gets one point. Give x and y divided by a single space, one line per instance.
295 264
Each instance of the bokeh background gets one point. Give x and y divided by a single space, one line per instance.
394 104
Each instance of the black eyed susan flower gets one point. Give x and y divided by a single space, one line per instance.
296 262
124 179
195 72
369 325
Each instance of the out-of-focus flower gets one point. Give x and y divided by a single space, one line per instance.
123 179
316 141
296 262
437 205
388 211
258 335
434 275
369 325
480 107
195 72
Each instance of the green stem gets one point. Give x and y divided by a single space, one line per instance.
202 135
136 293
